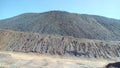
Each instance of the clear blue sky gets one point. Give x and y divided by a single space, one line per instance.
107 8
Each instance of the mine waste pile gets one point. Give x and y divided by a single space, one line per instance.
61 33
57 45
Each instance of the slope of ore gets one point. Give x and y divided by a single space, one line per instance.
65 24
57 45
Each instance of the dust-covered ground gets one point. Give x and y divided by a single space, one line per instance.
30 60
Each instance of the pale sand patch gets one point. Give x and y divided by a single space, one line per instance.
25 60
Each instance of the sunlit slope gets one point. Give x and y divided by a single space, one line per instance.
65 24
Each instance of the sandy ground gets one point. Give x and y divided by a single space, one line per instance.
24 60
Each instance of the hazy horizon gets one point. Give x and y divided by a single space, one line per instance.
106 8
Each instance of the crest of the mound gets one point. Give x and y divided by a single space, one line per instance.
65 24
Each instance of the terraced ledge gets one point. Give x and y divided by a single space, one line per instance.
58 45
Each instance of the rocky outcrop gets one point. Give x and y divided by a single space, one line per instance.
113 65
57 45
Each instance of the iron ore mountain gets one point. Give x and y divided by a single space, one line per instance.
65 24
61 33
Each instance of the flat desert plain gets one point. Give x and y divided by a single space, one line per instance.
30 60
